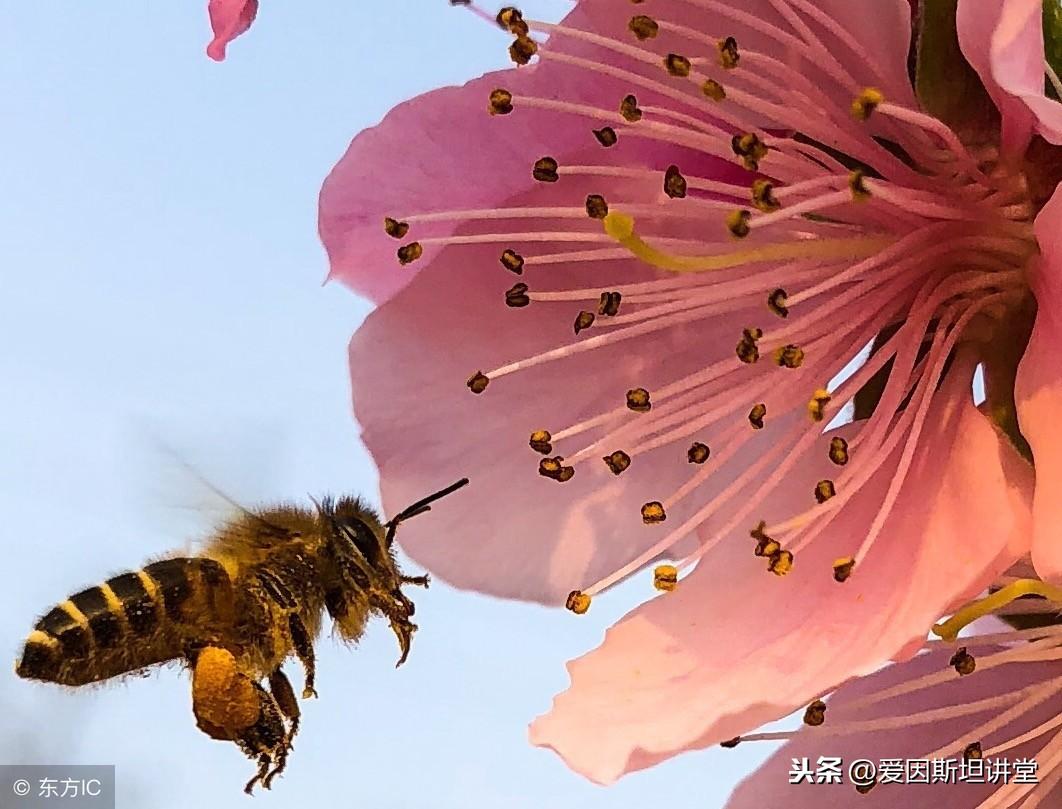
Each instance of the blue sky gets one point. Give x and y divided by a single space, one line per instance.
161 288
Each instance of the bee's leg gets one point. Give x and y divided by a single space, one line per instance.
280 686
224 700
267 739
300 639
417 581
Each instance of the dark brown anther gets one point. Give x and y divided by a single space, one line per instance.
763 196
578 602
674 183
963 662
583 320
815 713
545 170
395 229
678 65
554 469
643 27
629 109
756 416
540 442
618 461
789 356
757 533
653 512
698 452
749 148
713 90
606 136
765 546
781 563
510 19
824 490
408 253
477 383
838 450
501 102
609 303
638 400
516 296
747 350
522 49
842 569
731 743
971 751
512 261
776 303
738 223
596 207
728 53
857 185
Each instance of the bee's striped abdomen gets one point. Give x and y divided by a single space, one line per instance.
132 621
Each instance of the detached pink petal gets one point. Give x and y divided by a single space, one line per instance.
1038 393
917 733
229 19
734 647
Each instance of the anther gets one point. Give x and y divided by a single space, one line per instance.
765 546
583 320
842 569
522 49
756 416
596 207
747 350
512 261
643 27
545 170
606 136
511 20
815 713
866 102
763 196
728 53
540 441
857 185
713 90
477 383
776 302
629 109
824 490
554 469
516 297
501 102
674 183
749 147
578 602
698 452
678 65
609 304
737 222
781 563
408 253
617 462
653 512
838 450
731 743
817 405
757 533
789 356
972 751
638 400
665 578
963 662
394 228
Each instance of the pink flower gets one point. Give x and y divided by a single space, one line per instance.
711 211
228 19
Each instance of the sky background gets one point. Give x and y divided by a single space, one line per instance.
161 304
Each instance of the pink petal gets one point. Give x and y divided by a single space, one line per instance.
734 647
1038 393
228 19
769 787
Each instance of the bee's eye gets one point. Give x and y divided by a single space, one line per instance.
362 538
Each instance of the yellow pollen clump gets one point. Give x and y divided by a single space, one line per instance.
838 450
763 196
540 441
643 27
817 405
949 629
653 512
578 602
781 563
638 400
737 222
394 228
713 90
842 569
728 53
665 578
408 253
678 65
866 102
857 185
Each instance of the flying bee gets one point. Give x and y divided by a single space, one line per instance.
234 614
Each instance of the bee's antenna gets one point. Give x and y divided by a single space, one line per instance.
419 508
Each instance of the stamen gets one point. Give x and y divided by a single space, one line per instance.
949 630
578 602
653 512
815 714
638 400
395 229
555 469
512 261
540 441
478 382
698 453
665 578
842 569
756 416
963 662
617 462
583 320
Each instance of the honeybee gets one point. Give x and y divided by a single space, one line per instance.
235 613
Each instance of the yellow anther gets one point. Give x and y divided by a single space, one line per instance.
653 512
756 416
678 65
620 227
838 450
781 563
728 53
408 253
665 578
737 222
578 602
842 569
858 186
949 629
763 196
866 102
394 228
713 90
540 441
817 405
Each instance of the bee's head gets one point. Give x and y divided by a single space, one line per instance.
367 576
